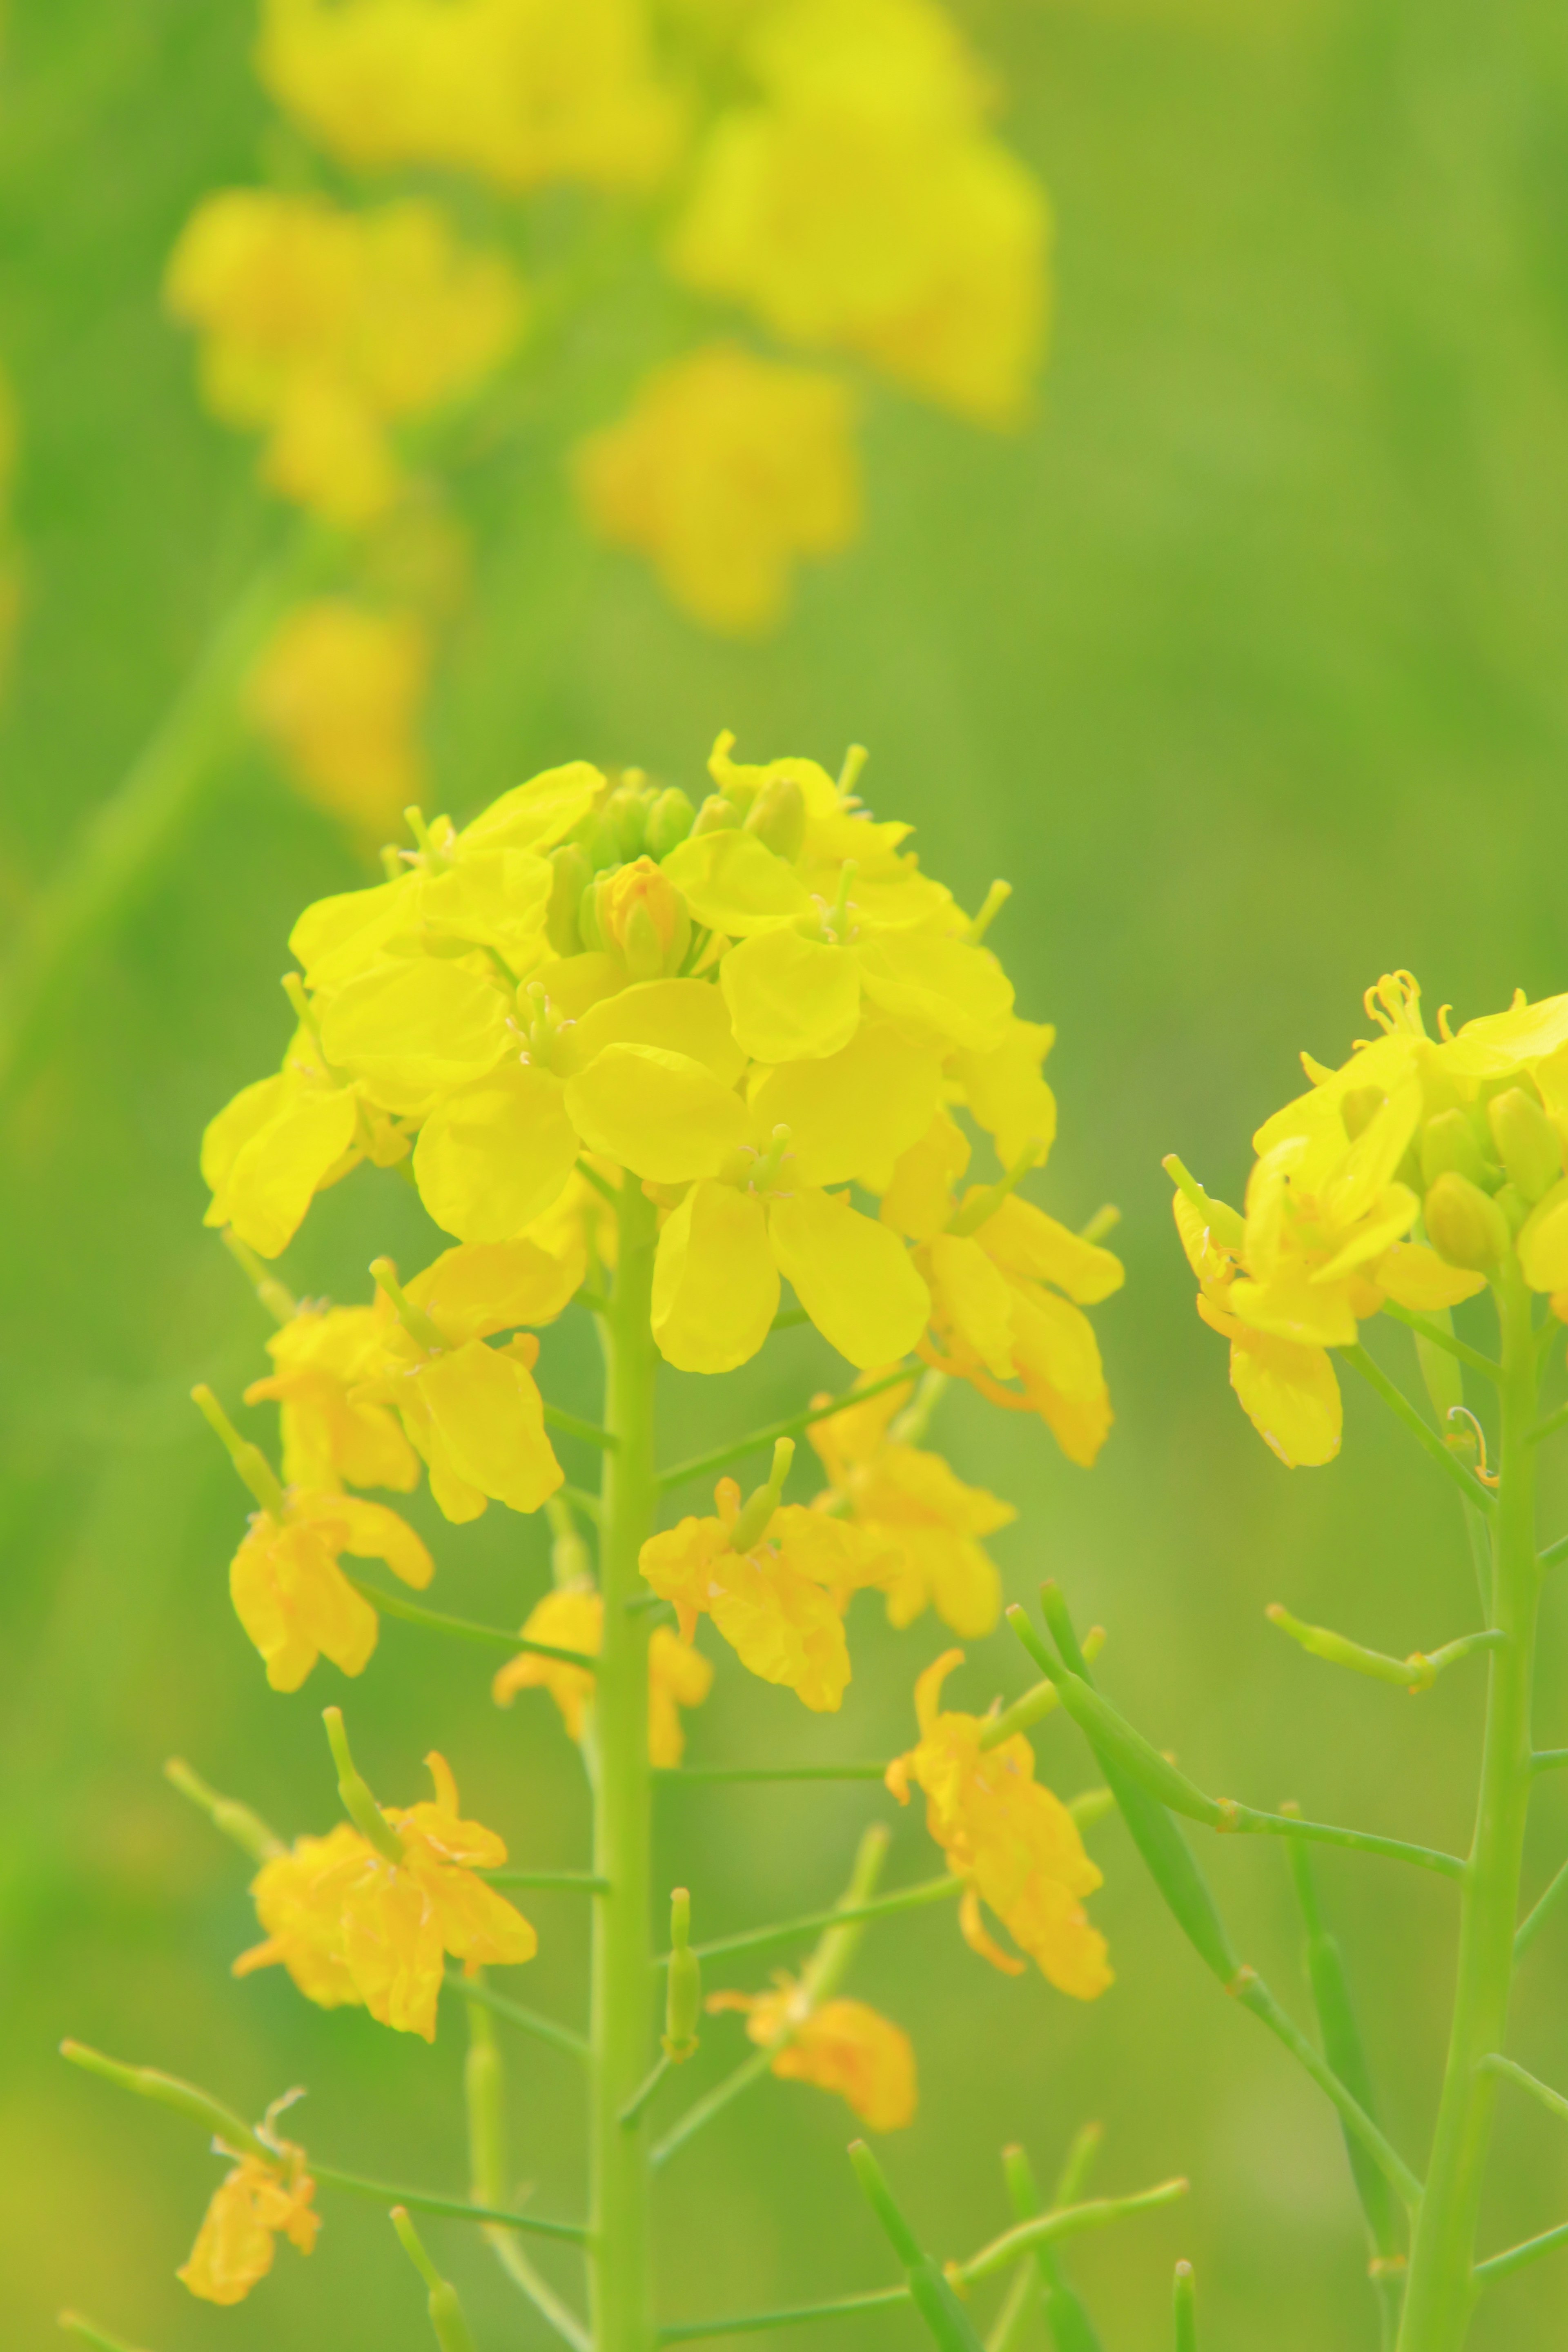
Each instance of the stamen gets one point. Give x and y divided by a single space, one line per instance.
1477 1437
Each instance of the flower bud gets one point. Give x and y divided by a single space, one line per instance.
669 821
716 814
1448 1146
1464 1225
683 1984
1526 1142
574 871
641 917
777 816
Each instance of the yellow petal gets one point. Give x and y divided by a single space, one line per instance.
940 990
783 1628
791 999
734 884
276 1173
341 937
488 1286
1290 1396
497 897
973 1296
370 1531
414 1030
488 1412
918 1200
1290 1306
853 1277
715 1285
491 1159
1415 1276
662 1115
1367 1168
853 1114
1032 1245
539 813
1006 1093
684 1016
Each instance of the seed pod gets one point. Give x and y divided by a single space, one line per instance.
1448 1146
1464 1225
1526 1142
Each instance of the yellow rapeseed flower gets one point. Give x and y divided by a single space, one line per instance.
324 328
352 1926
780 1603
572 1618
859 204
1013 1842
292 1598
330 1437
911 1502
520 91
841 2045
255 2205
338 693
727 470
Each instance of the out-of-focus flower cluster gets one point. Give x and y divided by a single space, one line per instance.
765 1016
1417 1172
821 177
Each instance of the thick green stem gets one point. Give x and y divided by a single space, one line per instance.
621 2018
1441 2293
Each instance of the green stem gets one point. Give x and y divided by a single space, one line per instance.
1501 2266
511 2013
1530 1926
1424 1328
620 2029
125 836
1441 2291
1403 1410
463 1629
701 1465
866 1771
783 1931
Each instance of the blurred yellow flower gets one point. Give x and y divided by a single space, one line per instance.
352 1926
861 206
780 1602
573 1619
250 2210
911 1502
726 471
520 91
325 328
292 1598
842 2045
1011 1840
338 693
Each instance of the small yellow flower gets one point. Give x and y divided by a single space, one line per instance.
840 2045
726 471
911 1502
331 1439
780 1603
573 1619
1015 1845
338 693
285 1139
324 328
349 1925
257 2203
292 1598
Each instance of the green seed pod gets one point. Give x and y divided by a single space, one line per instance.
1448 1146
716 814
669 821
1526 1142
1464 1225
574 872
777 816
683 1986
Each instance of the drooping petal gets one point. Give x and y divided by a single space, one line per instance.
484 1287
975 1298
1290 1395
939 990
715 1285
684 1016
1026 1243
1007 1093
679 1565
370 1531
783 1628
1415 1276
273 1174
919 1199
734 884
853 1277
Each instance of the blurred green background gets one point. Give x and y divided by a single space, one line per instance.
1245 665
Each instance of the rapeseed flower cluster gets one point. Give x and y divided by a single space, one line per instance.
1406 1176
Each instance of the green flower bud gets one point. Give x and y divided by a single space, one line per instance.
1448 1146
588 926
777 816
1527 1143
574 872
683 1984
716 814
669 821
1464 1225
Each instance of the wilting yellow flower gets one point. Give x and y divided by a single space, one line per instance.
332 1438
250 2210
780 1603
349 1925
911 1502
292 1598
523 91
840 2045
324 328
474 1411
572 1618
861 206
338 693
726 471
1015 1845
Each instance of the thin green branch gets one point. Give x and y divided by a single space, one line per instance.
755 2323
1183 2309
1549 1760
582 1500
560 1882
539 2291
526 2021
1518 2258
1251 1991
851 1771
1533 1921
601 1184
570 1425
701 1465
713 2103
1245 1821
463 1629
1414 1674
1552 2101
756 1939
83 2329
451 2209
662 2065
1453 1346
1403 1410
1554 1552
1550 1426
1066 2222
